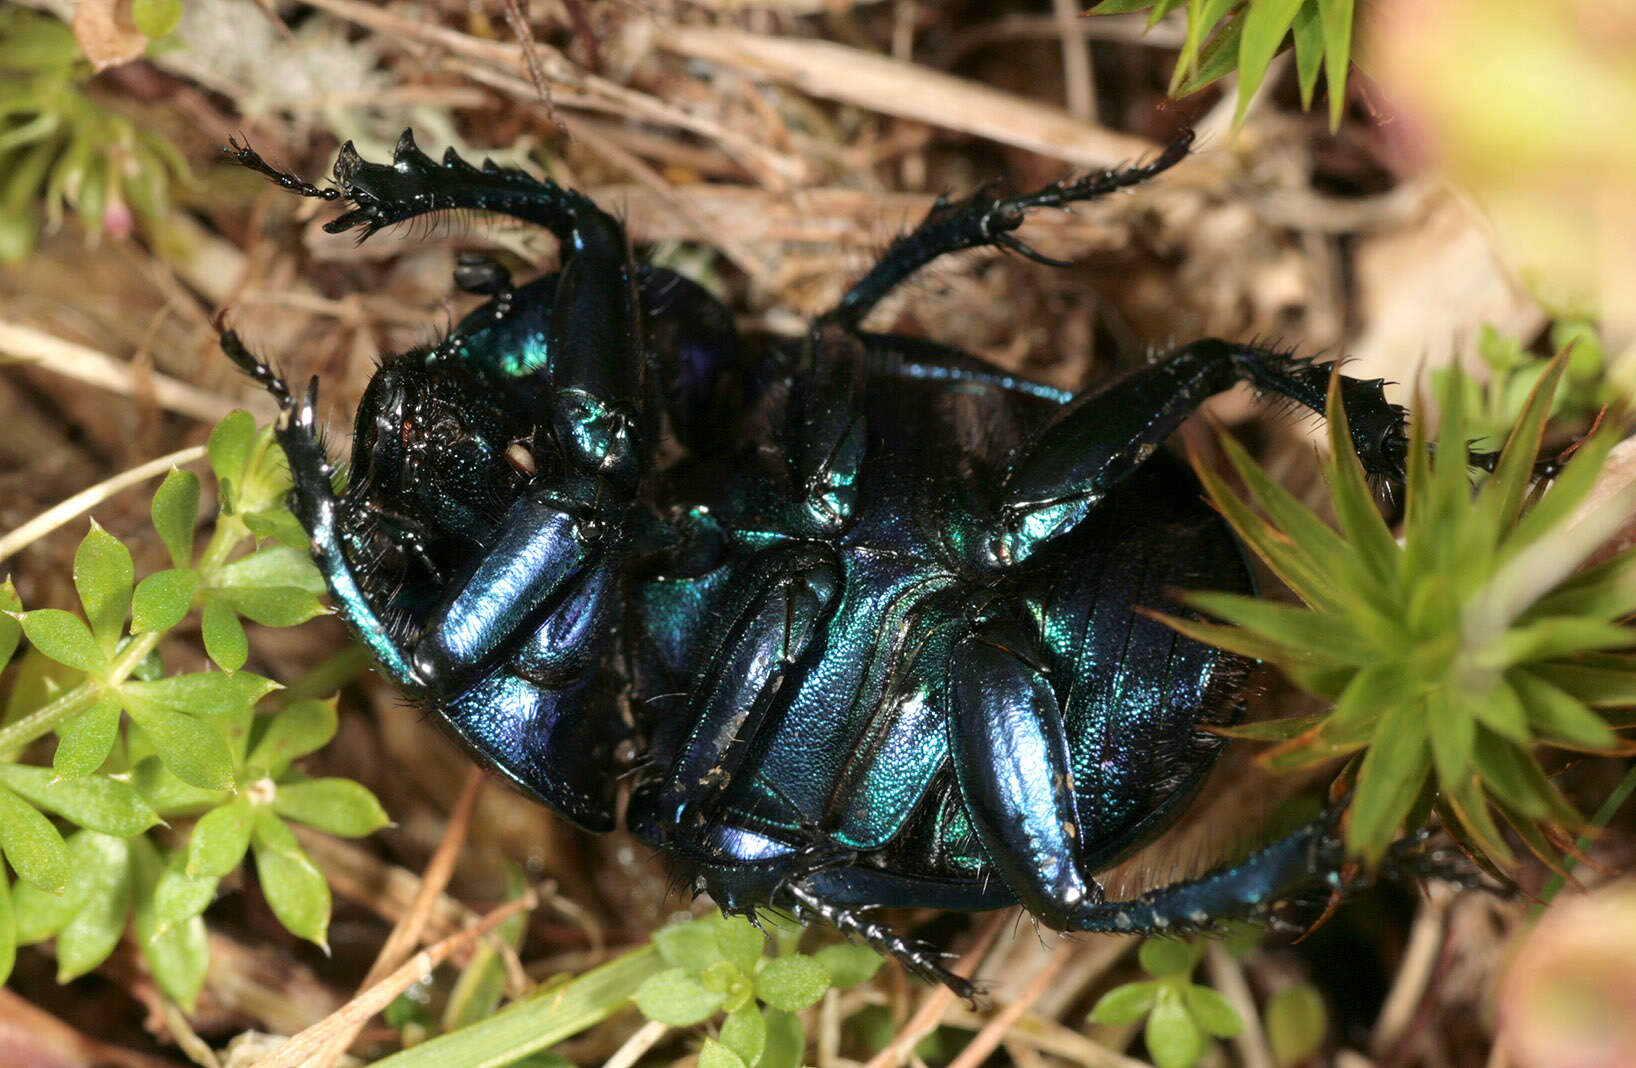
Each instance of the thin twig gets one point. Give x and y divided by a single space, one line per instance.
1079 85
1228 978
850 75
296 1052
988 1039
409 929
930 1013
87 499
635 1047
1414 974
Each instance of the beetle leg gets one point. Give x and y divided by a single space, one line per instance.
1311 860
1010 754
917 957
1100 437
983 219
413 184
313 500
824 432
740 685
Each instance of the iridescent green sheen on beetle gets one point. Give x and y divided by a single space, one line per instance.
873 628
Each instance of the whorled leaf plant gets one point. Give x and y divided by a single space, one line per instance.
1235 36
1451 654
106 757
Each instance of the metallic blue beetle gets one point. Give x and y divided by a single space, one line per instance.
868 620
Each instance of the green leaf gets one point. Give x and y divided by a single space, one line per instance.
848 964
785 1040
279 525
8 930
194 748
1212 1012
292 884
1161 8
96 802
1165 958
270 567
335 806
1503 494
1596 685
1546 639
481 984
175 514
1266 22
32 845
1233 639
1173 1038
1371 691
1119 7
714 1054
1300 547
84 742
103 575
1452 730
229 452
1565 494
1470 807
1272 730
1514 777
791 983
1296 1023
11 631
220 839
41 913
156 18
299 728
1389 780
1500 710
1216 59
1125 1003
178 896
745 1033
1336 17
545 1018
224 639
274 606
103 890
1200 17
204 693
690 945
65 638
162 600
1309 50
676 998
159 786
178 954
1313 635
739 941
1354 501
1605 592
1559 716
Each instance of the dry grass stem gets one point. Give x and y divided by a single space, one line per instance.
355 1013
837 72
84 364
409 930
69 509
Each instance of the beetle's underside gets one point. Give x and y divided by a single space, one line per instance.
875 634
